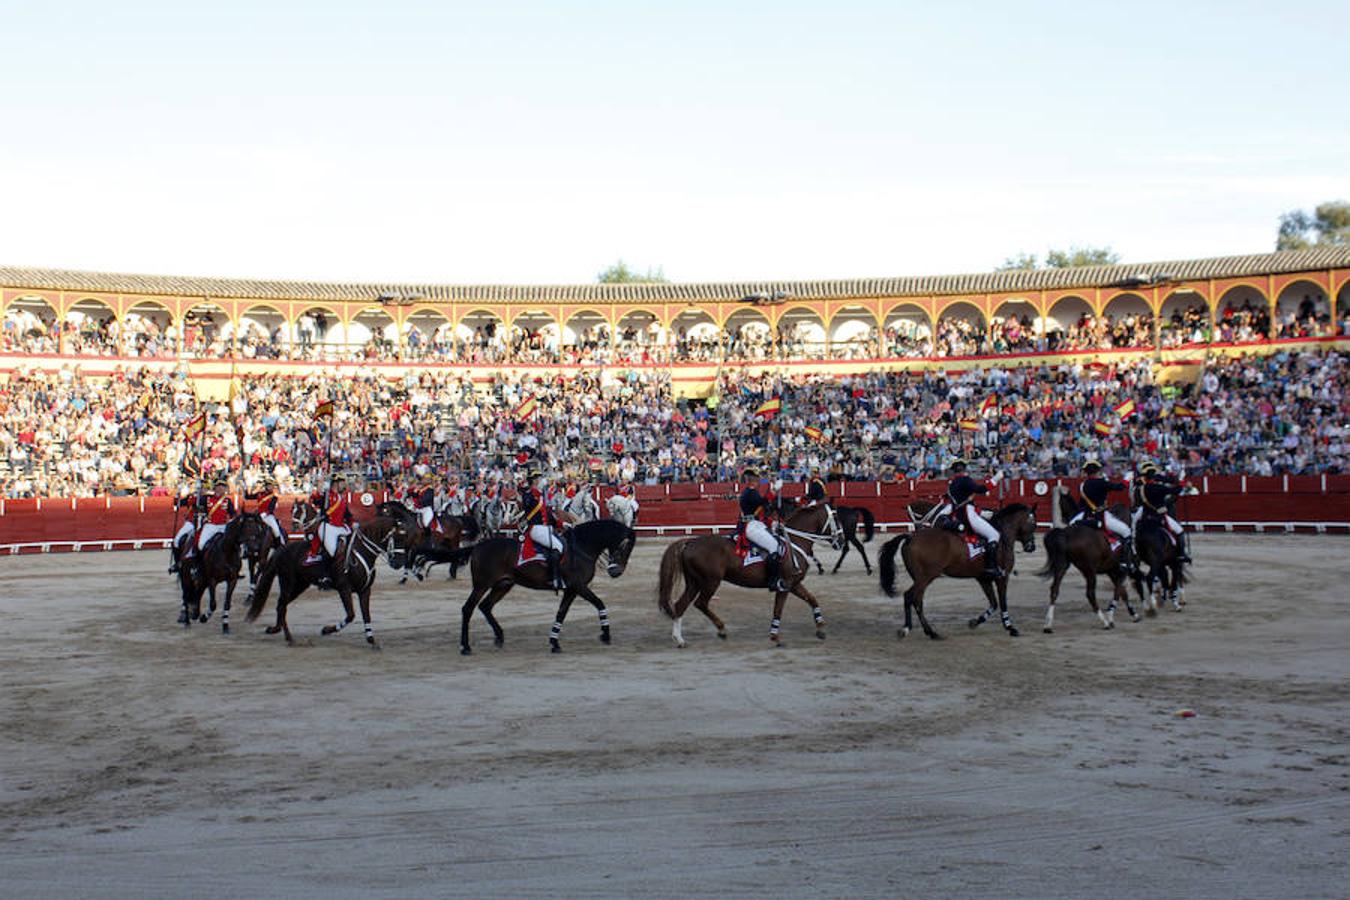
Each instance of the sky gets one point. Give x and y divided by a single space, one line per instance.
540 142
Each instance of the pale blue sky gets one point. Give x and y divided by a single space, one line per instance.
539 142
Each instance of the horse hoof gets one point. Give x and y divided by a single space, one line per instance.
973 624
465 651
681 644
374 644
327 629
820 634
901 632
1013 632
1134 617
1048 630
554 646
722 635
225 629
1151 612
1108 626
498 642
204 617
935 636
604 636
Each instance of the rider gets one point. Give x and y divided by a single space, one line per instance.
425 502
1151 498
334 519
815 489
219 511
1095 492
756 517
181 548
628 491
540 522
267 500
958 502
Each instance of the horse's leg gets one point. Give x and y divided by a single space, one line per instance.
556 631
992 604
703 604
365 614
692 593
918 607
779 599
840 561
465 614
283 599
600 609
485 607
348 611
867 564
1124 592
1004 615
1054 595
820 569
909 615
211 591
810 600
225 610
1091 578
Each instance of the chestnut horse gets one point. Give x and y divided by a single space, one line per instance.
1087 548
932 552
705 562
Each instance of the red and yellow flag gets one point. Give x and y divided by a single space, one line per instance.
193 428
1103 429
324 410
1125 409
526 407
1184 412
990 403
970 425
813 433
769 408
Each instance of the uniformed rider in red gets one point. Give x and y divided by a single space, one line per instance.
540 523
335 519
219 511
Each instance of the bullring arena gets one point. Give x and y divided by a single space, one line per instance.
140 759
1201 752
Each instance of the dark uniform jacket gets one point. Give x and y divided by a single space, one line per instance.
815 490
961 488
1096 491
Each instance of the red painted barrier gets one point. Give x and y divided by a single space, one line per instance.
35 525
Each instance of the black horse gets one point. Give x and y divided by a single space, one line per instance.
1156 549
493 565
219 561
849 518
438 548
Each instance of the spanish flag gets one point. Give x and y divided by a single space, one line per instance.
990 403
526 407
194 427
1103 429
1125 409
970 425
324 410
813 433
769 408
1184 412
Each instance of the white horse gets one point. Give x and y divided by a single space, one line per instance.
622 509
581 507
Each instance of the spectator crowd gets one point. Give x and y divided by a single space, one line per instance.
65 434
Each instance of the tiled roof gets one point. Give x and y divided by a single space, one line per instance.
920 285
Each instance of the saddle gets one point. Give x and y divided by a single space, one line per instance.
529 552
974 544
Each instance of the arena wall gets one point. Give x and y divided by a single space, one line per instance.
1284 503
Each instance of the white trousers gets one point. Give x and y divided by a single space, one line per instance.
543 536
183 534
759 534
208 531
973 520
1172 524
425 514
1117 527
273 524
329 534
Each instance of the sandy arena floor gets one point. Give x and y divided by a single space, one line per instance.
137 759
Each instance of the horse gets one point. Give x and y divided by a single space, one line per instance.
581 507
622 509
705 562
1158 550
257 553
1087 549
355 574
495 569
931 552
218 561
439 547
849 518
496 514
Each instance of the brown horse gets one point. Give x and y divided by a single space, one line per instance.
438 547
932 552
705 562
1166 575
353 572
493 564
1086 548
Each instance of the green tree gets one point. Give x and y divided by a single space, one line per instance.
1062 259
620 273
1326 226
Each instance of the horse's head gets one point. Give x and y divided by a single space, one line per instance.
619 553
253 533
1017 522
302 515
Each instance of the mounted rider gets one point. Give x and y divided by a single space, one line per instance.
540 523
266 501
1095 492
757 517
424 504
182 546
218 513
958 502
1152 497
335 519
815 490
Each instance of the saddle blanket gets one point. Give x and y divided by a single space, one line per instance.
974 545
748 552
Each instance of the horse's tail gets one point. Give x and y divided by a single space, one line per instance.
671 563
258 597
869 523
1056 553
460 555
886 562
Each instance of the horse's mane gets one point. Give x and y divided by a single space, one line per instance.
1008 512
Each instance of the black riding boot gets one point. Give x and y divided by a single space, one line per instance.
1183 547
555 569
1127 555
991 560
173 559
